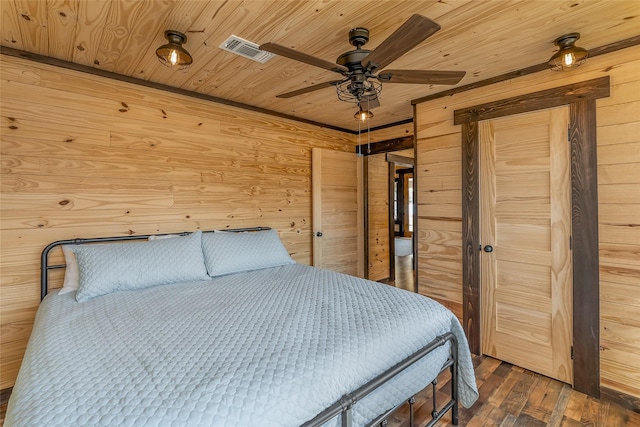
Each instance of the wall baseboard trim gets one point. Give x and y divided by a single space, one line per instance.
624 400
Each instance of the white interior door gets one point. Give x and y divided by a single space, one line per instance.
525 230
338 242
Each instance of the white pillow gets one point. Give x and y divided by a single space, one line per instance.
71 272
129 266
162 236
229 252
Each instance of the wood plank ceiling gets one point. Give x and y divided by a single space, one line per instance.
483 38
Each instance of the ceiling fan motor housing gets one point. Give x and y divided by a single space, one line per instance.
353 59
358 36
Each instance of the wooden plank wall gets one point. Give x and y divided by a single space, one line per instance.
87 156
387 133
378 216
618 132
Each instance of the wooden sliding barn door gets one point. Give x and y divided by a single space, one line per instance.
338 237
525 228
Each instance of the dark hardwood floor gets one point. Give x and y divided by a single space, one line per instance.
404 273
510 395
4 399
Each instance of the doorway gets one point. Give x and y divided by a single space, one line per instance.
403 207
401 216
525 230
581 99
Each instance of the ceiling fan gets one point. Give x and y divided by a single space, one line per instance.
363 70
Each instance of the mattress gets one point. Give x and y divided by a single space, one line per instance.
272 347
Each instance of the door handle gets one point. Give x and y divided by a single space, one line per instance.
319 233
488 248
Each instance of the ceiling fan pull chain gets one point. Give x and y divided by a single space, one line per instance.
359 132
368 136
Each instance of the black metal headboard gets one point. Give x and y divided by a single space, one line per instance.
44 258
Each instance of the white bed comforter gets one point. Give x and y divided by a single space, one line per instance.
266 348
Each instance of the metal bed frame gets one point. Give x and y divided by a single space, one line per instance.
344 406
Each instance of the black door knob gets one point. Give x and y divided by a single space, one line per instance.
488 248
319 234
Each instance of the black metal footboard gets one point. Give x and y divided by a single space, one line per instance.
344 406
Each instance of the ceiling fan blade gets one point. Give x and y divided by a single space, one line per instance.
413 32
302 57
308 89
422 76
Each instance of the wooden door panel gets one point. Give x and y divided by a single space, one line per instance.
530 320
526 218
524 278
524 235
337 211
536 208
522 255
530 185
522 352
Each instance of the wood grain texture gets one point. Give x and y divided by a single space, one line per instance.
471 234
583 336
584 206
618 214
108 74
121 36
438 232
488 226
526 279
618 160
387 133
600 50
396 144
378 217
512 396
591 89
85 156
337 215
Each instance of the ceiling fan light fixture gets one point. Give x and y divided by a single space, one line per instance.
349 91
172 54
363 116
569 55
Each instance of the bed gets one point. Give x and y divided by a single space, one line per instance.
247 338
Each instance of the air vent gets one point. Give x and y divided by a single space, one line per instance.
245 48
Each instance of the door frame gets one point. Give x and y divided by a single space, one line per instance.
581 99
394 160
401 201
